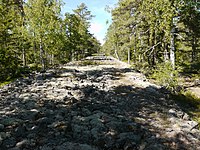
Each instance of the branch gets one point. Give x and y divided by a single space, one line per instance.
152 48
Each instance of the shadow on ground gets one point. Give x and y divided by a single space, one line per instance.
107 118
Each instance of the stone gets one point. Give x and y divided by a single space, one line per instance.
11 121
39 77
186 116
3 135
1 140
92 108
46 148
74 146
172 112
129 136
44 121
22 143
20 131
195 132
9 142
155 146
2 127
188 125
29 115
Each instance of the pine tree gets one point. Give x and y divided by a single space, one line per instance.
9 39
155 31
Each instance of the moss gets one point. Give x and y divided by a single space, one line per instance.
5 83
196 116
191 102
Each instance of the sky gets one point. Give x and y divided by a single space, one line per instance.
97 8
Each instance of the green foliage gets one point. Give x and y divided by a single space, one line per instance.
142 67
33 32
5 83
192 98
155 31
80 42
189 101
9 39
195 67
166 76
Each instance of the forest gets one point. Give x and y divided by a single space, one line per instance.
61 89
156 36
35 35
159 38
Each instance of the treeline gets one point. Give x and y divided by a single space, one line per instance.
33 33
147 33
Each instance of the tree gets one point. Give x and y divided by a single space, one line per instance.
81 42
9 39
189 15
152 31
44 25
32 33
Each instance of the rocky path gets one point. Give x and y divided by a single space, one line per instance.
96 107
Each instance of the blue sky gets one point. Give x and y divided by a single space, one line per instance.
97 8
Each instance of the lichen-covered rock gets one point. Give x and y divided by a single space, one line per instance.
96 107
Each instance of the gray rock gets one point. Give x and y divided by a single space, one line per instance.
3 135
14 148
78 130
39 77
46 147
25 95
188 125
75 146
22 144
20 131
195 132
91 106
11 121
9 142
180 114
172 112
96 132
186 116
1 127
44 121
1 140
129 136
155 146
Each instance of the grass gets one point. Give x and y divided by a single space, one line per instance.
190 102
196 102
87 62
20 72
3 83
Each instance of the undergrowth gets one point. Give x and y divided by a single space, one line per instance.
190 102
3 83
166 76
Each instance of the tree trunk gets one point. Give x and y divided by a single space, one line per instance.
42 61
35 54
166 58
194 48
129 56
23 57
52 59
172 50
116 53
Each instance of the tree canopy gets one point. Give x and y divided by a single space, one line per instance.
34 33
150 32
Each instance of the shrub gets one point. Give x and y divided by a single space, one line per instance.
166 76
